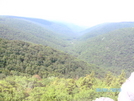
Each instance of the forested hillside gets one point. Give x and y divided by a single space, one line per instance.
35 88
20 29
21 57
111 50
41 61
104 28
68 31
106 45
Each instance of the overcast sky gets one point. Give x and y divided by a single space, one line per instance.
80 12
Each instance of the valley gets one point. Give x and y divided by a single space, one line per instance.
108 45
43 60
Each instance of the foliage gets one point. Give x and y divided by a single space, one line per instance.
22 88
109 46
104 28
113 51
15 28
22 58
32 72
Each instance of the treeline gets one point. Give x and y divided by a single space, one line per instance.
22 58
88 88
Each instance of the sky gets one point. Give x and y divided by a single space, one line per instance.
79 12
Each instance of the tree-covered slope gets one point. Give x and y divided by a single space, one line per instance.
106 45
20 29
62 29
104 28
88 88
114 49
18 57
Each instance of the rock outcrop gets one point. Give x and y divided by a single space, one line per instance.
127 90
103 99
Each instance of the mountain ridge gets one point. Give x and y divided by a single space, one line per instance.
64 29
18 29
96 49
105 28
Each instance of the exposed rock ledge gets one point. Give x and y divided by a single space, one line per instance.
127 91
103 99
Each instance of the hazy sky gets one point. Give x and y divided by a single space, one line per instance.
81 12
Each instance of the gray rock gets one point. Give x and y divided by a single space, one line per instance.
103 99
127 90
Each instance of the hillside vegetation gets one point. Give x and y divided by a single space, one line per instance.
67 30
112 50
104 29
41 61
20 58
109 45
20 29
87 88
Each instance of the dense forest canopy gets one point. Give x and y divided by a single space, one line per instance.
22 57
104 28
98 45
88 88
112 50
48 61
25 30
